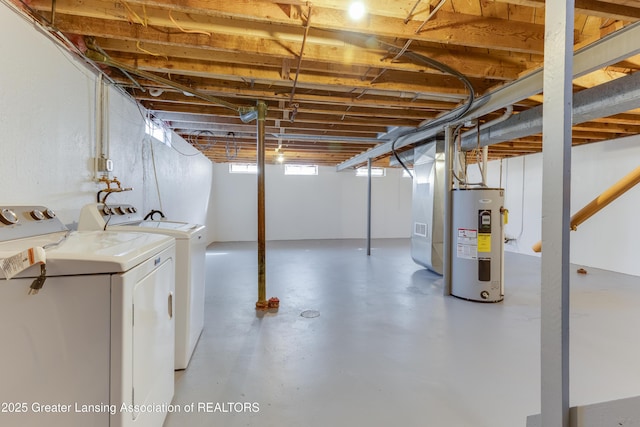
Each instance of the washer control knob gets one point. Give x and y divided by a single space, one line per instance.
119 210
107 210
8 216
132 209
37 215
49 214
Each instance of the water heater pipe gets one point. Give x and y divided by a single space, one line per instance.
606 197
448 209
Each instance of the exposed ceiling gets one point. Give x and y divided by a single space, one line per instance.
333 85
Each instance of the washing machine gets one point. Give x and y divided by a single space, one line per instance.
86 324
190 265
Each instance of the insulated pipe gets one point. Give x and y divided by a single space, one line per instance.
448 209
262 302
606 197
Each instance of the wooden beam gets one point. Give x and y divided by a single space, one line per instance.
234 18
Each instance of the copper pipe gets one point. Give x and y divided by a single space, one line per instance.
53 13
262 303
606 197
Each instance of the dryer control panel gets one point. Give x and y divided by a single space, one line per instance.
20 222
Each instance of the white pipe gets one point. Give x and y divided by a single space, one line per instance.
485 157
485 150
508 113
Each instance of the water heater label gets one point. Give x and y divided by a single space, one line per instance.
467 243
484 242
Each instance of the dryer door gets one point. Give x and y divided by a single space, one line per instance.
153 341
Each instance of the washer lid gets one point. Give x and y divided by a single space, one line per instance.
171 228
95 252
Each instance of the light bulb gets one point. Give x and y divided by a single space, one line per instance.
357 10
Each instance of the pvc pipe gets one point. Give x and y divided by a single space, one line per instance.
485 159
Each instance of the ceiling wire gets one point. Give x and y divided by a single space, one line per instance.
206 33
409 41
227 149
433 12
97 56
93 45
304 42
408 18
461 111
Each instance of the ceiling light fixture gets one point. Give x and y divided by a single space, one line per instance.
357 10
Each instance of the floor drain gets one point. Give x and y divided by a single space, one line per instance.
310 314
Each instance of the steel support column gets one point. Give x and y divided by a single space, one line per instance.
447 245
556 188
369 206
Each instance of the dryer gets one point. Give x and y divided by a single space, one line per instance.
190 265
95 345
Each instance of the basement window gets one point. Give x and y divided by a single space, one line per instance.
157 131
301 169
375 172
243 168
405 173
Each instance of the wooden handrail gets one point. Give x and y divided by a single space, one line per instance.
606 197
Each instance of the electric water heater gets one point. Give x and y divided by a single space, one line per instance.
478 244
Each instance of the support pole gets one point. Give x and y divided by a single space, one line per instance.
448 209
556 192
262 303
369 206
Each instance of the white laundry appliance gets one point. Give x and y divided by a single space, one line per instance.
190 265
95 345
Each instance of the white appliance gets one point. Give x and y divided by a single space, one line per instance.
190 265
477 258
95 346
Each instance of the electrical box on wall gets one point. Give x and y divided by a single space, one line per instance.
104 164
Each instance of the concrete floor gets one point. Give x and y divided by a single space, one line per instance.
388 349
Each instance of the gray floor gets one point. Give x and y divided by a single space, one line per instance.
388 349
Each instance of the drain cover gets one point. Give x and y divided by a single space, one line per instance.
310 313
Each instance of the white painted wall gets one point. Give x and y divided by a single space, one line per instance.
47 116
611 238
331 205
